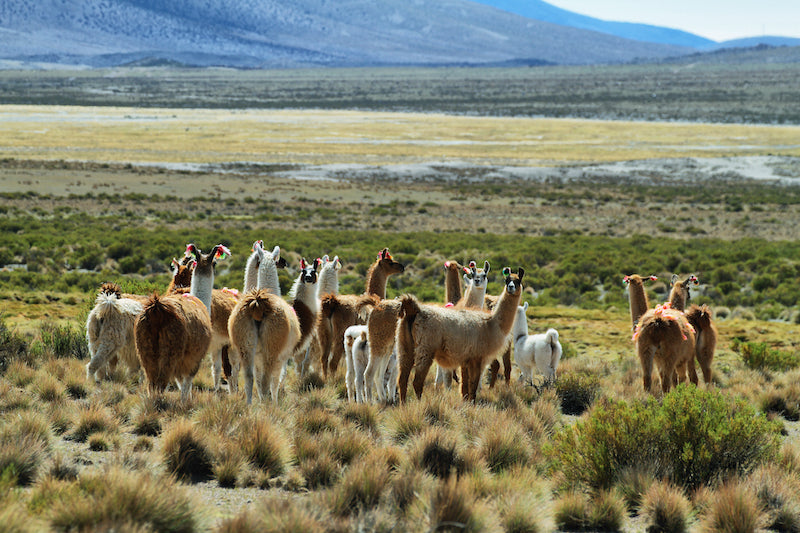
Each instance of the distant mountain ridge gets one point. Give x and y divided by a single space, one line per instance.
536 9
295 33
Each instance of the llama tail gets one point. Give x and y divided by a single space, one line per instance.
552 338
327 306
409 309
700 317
257 304
365 304
156 340
110 289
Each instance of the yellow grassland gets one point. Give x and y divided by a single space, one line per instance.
136 135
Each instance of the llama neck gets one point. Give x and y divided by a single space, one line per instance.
305 293
251 272
202 286
677 297
506 310
474 297
453 288
376 281
638 299
520 328
328 280
268 276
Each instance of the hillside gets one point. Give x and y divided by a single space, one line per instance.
280 33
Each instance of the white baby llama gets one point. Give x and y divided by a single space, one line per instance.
356 353
542 350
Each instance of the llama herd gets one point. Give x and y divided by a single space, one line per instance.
257 331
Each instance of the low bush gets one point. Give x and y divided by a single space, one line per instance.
760 356
692 435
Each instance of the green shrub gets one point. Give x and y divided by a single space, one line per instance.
692 435
60 341
759 356
13 347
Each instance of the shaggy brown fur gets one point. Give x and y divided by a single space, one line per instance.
453 286
505 354
267 331
173 332
181 275
172 338
701 318
453 338
338 312
664 336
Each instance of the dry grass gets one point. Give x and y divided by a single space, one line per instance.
346 137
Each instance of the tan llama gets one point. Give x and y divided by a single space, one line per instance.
338 312
267 331
173 332
453 337
637 296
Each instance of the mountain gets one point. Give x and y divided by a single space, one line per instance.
538 10
749 42
298 33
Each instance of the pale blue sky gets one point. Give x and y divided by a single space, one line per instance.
720 20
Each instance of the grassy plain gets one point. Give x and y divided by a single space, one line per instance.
90 194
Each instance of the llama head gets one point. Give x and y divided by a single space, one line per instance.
476 276
182 272
513 282
280 262
637 279
387 264
309 271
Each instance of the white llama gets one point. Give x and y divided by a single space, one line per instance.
542 350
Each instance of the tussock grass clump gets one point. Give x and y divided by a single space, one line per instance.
100 442
436 452
317 420
633 484
665 508
20 459
311 381
692 435
503 445
778 492
454 507
48 388
363 415
19 374
186 453
346 444
733 509
577 392
275 516
360 489
608 511
263 445
63 469
94 419
405 421
143 444
120 499
320 471
405 488
220 415
13 347
228 467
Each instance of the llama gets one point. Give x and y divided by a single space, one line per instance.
327 283
266 330
453 338
665 336
453 292
637 296
542 350
223 302
356 352
701 318
338 312
173 332
109 326
109 331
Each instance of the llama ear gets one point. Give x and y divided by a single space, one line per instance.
520 273
653 278
302 263
191 250
317 263
325 259
473 264
525 306
276 253
486 267
336 263
694 279
506 272
673 279
467 271
626 280
221 252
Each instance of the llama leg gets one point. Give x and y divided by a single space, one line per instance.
465 380
705 358
234 360
216 367
474 371
99 360
249 371
692 370
383 365
333 365
392 383
494 369
507 364
646 360
404 364
420 373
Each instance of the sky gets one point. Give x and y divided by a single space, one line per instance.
719 20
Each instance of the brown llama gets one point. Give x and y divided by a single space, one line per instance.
453 337
706 342
173 332
664 336
266 331
109 326
637 296
338 312
679 296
